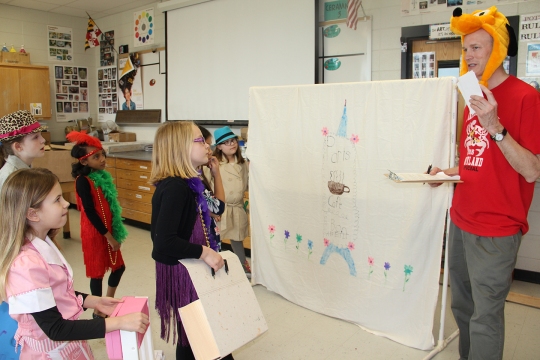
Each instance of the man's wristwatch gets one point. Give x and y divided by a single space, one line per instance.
499 136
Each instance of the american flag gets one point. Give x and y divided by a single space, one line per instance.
92 35
352 13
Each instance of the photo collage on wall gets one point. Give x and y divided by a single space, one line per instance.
60 43
106 49
71 84
108 97
423 65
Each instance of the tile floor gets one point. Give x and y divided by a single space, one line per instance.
295 332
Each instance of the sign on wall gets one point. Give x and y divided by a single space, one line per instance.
60 43
529 27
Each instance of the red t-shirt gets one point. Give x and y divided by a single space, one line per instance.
494 199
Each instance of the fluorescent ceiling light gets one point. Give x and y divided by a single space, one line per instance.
177 4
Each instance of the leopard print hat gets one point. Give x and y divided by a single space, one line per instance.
18 124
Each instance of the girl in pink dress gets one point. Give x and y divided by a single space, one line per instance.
37 281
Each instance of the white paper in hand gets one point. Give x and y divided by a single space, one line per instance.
468 85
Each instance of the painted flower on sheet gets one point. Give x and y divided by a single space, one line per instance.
326 242
271 229
287 234
310 247
298 241
386 268
355 139
350 245
324 131
371 263
407 269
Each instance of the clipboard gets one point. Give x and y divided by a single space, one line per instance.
440 177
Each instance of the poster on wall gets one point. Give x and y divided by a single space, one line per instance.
143 27
106 49
533 60
529 27
59 43
416 7
130 92
423 65
107 96
71 92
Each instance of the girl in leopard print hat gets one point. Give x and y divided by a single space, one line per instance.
21 142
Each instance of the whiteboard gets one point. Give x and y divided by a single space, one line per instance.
154 92
217 50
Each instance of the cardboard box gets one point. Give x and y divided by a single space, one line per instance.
24 58
58 161
10 57
122 136
15 58
115 341
227 314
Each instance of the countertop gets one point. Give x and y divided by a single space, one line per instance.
134 155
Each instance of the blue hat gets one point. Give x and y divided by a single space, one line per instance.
223 134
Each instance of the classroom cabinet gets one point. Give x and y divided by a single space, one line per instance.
22 85
134 192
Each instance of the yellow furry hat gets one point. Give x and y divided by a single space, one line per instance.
496 24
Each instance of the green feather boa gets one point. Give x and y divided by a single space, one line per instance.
104 180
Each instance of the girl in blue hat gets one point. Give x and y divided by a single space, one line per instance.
234 173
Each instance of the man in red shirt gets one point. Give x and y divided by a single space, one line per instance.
499 163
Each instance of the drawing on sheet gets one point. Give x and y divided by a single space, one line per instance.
386 269
408 269
340 212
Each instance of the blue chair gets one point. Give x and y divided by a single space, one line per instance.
8 326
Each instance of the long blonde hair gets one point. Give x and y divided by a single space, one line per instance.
171 155
23 189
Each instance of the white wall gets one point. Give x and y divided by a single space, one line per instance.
20 26
24 26
529 252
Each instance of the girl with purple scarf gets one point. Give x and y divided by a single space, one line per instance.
180 224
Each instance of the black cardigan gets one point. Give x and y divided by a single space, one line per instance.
174 211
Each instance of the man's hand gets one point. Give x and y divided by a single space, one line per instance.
450 172
486 109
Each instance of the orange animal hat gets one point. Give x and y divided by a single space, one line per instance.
496 24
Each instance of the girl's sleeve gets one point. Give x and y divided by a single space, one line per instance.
58 329
27 287
172 216
85 193
29 292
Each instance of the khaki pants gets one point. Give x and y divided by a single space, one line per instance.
480 277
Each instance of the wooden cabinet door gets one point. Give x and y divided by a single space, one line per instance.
9 90
34 88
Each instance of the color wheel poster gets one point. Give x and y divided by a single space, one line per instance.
143 27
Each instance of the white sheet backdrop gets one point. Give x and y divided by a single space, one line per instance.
369 251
